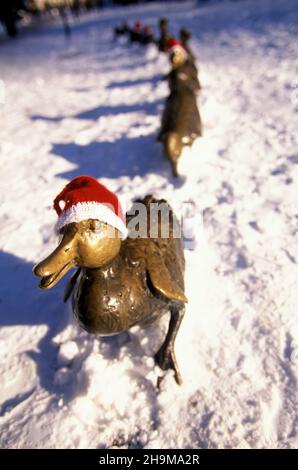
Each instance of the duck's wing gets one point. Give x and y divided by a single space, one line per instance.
165 268
161 251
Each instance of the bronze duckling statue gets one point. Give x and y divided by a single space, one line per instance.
185 35
180 125
121 281
135 33
163 26
146 36
181 121
121 30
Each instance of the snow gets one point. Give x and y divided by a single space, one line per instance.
88 105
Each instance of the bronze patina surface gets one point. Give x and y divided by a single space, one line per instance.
180 125
181 121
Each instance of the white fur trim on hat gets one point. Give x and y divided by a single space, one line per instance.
91 210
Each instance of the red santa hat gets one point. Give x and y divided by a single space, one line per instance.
137 25
174 45
85 198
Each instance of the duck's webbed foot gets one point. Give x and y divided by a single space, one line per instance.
165 357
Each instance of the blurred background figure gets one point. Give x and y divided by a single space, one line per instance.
185 36
75 8
146 35
64 18
163 26
135 32
10 14
121 30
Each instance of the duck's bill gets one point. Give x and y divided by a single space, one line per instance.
47 282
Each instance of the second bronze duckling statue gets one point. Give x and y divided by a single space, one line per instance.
163 25
120 281
185 36
180 125
181 121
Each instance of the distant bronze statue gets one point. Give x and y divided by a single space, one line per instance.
135 33
121 30
181 121
180 125
120 281
146 36
10 15
164 34
184 73
185 36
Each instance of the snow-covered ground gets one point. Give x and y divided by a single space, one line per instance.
89 105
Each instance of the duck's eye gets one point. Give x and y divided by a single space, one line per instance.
95 225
